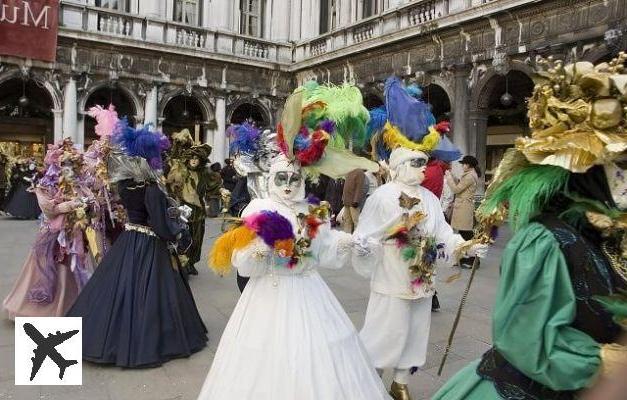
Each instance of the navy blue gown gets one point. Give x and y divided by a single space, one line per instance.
137 309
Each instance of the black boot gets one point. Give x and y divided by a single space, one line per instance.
435 303
191 270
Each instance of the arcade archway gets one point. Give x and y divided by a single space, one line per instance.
184 111
251 113
26 118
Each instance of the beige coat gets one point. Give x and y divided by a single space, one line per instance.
464 204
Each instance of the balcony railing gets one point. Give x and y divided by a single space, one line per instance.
414 18
97 20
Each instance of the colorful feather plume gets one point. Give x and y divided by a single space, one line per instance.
393 138
314 148
223 248
244 138
412 116
141 142
270 226
525 194
443 127
107 119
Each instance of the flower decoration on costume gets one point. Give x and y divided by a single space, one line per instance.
420 251
317 123
577 114
404 121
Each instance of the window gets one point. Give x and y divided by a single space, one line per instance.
251 17
328 15
186 11
120 5
371 7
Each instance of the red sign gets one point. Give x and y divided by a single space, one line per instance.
29 28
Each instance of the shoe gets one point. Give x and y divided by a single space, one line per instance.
192 270
435 303
399 391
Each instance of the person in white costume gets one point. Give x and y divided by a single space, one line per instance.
288 337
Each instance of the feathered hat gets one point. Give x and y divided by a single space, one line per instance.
405 121
577 120
107 119
318 122
141 142
446 150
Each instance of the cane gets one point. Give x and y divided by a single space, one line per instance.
459 314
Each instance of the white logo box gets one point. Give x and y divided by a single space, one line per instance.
49 331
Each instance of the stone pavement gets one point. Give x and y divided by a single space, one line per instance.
216 297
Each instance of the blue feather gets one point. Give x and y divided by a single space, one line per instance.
412 116
378 118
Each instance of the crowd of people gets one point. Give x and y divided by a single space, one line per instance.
123 225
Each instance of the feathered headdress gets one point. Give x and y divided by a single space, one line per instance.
405 121
244 138
107 119
317 123
141 142
446 151
577 120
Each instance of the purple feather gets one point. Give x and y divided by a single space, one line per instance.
312 199
327 125
270 226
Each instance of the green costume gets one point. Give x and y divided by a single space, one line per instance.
564 191
534 308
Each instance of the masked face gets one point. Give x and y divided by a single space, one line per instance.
412 172
617 181
67 171
194 162
286 183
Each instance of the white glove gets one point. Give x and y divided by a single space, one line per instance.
186 212
478 250
362 247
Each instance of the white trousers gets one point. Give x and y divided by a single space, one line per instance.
396 331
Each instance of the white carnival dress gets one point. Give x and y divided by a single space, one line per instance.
288 337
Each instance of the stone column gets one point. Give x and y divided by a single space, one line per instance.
478 137
344 17
295 18
58 124
460 107
70 112
220 150
150 109
280 29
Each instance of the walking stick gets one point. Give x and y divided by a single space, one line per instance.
459 314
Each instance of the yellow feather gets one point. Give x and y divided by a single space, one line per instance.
393 138
223 248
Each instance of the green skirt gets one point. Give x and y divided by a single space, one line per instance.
467 385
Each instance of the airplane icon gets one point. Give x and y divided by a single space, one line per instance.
46 348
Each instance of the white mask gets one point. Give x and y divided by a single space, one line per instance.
617 181
411 175
286 184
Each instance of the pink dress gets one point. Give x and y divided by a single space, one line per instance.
57 267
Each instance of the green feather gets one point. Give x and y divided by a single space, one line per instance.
526 193
408 253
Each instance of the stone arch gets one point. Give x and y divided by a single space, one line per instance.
56 96
440 100
135 101
265 113
203 101
478 99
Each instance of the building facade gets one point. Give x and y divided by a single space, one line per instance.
203 64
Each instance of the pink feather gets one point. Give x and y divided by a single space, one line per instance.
107 119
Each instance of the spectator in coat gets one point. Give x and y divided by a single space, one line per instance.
465 189
353 197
